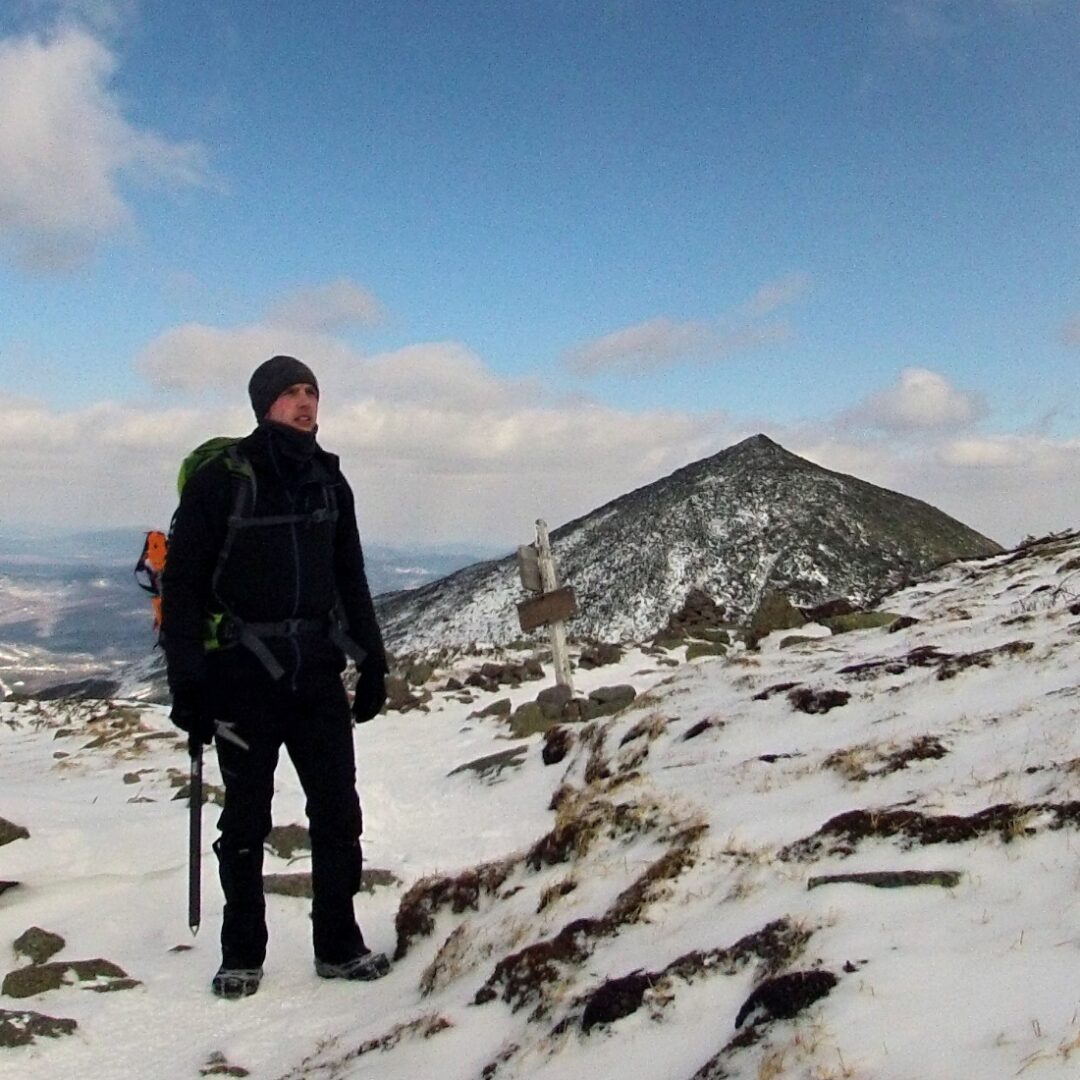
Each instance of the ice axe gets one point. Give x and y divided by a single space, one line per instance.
223 731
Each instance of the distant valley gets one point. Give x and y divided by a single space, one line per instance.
70 607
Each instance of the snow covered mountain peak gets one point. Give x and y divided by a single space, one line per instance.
751 517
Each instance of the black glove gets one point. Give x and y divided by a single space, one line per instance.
370 694
192 712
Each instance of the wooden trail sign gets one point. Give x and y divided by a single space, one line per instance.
550 605
528 560
547 608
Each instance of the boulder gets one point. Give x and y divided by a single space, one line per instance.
286 840
704 648
38 945
599 654
612 699
529 719
829 609
10 832
38 978
552 699
774 612
501 707
419 674
859 620
21 1028
491 766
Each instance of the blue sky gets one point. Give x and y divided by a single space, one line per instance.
541 253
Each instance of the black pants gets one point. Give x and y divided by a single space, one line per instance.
314 725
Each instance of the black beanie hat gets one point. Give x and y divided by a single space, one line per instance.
273 377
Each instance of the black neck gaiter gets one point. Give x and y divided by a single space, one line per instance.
291 450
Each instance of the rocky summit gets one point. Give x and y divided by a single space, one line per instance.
749 520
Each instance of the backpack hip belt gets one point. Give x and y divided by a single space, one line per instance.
232 631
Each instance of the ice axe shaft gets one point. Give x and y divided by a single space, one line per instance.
195 837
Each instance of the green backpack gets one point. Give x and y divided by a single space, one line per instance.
151 564
221 446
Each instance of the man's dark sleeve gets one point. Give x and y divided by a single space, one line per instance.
352 583
198 531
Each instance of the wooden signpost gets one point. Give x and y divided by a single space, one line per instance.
552 605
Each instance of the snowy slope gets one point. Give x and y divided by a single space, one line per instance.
689 831
751 517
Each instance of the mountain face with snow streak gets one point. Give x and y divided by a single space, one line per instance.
750 518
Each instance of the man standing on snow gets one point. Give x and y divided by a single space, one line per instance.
264 592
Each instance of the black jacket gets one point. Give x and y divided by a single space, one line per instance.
272 572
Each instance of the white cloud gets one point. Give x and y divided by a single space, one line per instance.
434 470
440 448
324 308
1005 486
921 400
197 359
989 453
661 343
777 294
657 343
65 145
437 445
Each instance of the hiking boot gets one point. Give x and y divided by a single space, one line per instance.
233 983
363 968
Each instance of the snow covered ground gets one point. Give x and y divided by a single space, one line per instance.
685 868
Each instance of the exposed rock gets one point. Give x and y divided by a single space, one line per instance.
840 835
501 707
217 1064
296 884
817 701
398 695
829 609
418 674
599 654
552 699
529 719
615 999
373 879
211 793
698 615
39 978
785 996
776 688
5 885
490 766
20 1028
891 879
286 840
10 832
612 699
775 612
82 690
792 640
38 945
859 620
697 729
704 648
557 743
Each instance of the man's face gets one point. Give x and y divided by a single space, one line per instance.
298 407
